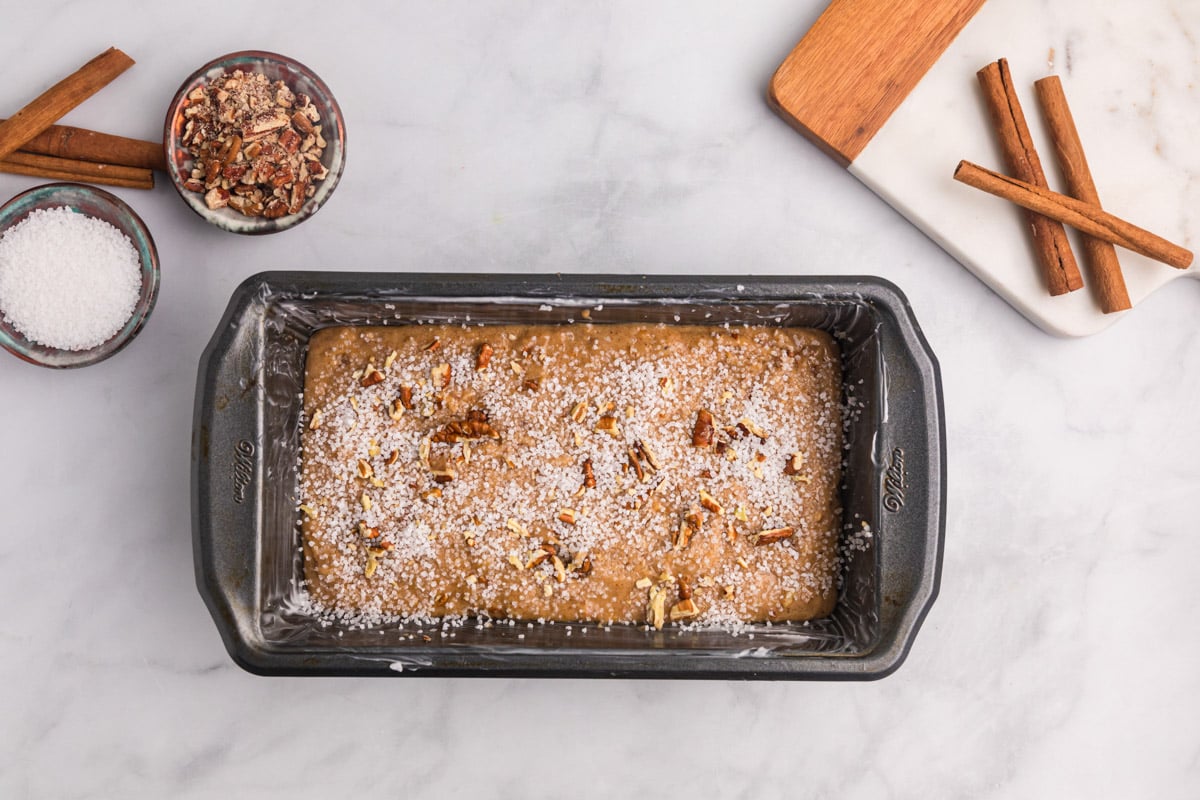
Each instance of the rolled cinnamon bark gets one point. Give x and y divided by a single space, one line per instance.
65 141
66 169
1087 218
1099 255
1049 239
60 98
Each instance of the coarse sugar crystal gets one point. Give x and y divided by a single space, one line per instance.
67 280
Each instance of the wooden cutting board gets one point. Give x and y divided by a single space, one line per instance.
888 89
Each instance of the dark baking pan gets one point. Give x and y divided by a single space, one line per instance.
245 452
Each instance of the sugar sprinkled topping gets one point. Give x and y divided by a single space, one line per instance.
67 280
561 482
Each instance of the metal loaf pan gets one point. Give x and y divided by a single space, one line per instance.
245 453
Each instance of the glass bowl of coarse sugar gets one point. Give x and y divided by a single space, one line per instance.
78 275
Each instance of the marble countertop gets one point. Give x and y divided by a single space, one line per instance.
1058 661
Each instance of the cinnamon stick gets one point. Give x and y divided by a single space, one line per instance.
66 141
66 169
1100 256
61 98
1049 239
1085 217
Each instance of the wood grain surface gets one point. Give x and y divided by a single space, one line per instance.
856 65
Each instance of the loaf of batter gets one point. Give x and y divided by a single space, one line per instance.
649 474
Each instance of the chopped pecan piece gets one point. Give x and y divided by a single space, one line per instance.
372 377
289 140
689 526
702 431
648 455
440 375
275 209
684 609
316 169
656 613
484 356
636 464
752 429
772 535
216 198
475 426
302 123
261 126
212 172
794 462
589 477
406 397
282 178
608 424
580 564
297 197
710 503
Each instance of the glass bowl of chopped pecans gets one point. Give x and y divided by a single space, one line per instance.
255 142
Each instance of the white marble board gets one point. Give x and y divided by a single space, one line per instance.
1129 70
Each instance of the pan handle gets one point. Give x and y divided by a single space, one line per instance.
911 470
227 478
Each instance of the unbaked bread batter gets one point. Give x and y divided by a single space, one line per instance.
607 473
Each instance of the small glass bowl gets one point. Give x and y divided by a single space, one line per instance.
104 206
298 78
